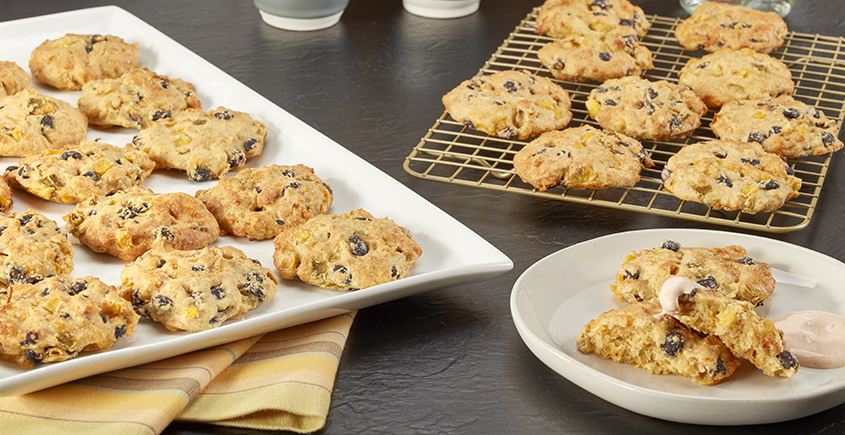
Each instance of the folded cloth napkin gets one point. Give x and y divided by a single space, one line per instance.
276 381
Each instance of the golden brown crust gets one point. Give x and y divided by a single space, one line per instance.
13 78
717 25
32 247
733 75
584 58
345 252
744 332
31 122
260 203
69 62
646 109
204 145
731 175
510 104
74 173
633 335
729 270
131 222
783 125
6 200
564 18
581 158
136 99
57 318
196 290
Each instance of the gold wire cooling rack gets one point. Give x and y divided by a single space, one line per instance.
451 152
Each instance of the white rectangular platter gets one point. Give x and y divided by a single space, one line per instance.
452 254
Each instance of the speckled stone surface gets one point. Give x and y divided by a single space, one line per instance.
448 361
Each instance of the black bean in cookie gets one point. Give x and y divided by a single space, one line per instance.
196 290
56 318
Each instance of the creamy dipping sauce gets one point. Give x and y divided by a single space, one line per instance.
672 289
816 338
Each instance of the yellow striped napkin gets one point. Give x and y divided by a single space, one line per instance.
277 381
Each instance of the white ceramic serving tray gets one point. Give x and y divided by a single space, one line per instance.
554 298
452 254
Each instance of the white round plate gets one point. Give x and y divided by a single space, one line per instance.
555 297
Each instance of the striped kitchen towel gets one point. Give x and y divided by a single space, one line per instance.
277 381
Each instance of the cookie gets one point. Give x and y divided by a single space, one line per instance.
716 25
731 75
136 99
644 109
69 62
74 173
744 332
5 195
634 335
510 104
133 221
731 175
13 78
585 58
260 203
204 145
783 125
55 319
196 290
31 122
565 18
32 247
729 270
581 158
345 252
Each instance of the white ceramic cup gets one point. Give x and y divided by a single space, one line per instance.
301 15
441 8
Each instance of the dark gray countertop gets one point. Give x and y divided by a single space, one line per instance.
449 360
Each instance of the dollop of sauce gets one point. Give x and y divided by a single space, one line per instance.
672 289
816 338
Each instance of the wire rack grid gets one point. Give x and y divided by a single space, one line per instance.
451 152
